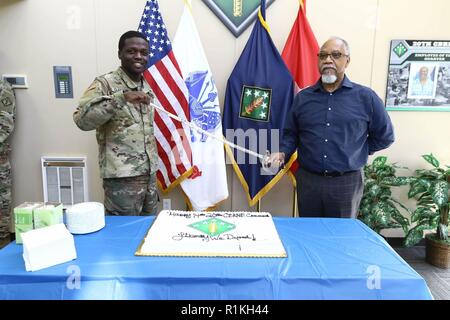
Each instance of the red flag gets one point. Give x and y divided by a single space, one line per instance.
300 55
300 51
164 77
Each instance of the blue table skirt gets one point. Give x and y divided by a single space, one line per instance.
327 259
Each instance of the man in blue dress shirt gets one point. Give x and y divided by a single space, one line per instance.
334 125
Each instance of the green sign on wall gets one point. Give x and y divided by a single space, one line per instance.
237 15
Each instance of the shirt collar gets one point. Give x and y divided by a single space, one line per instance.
345 83
130 83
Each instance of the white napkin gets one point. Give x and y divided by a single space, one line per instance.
48 246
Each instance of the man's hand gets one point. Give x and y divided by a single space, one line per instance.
137 97
275 160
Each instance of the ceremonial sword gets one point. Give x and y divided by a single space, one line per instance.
264 159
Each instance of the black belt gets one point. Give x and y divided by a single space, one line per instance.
331 173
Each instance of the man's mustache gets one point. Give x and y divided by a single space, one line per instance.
328 66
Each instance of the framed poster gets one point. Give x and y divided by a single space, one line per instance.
236 15
419 75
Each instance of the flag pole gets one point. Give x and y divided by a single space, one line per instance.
258 206
294 203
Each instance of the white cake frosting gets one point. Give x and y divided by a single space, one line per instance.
219 233
85 217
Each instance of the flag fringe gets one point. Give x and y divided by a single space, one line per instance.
267 187
175 183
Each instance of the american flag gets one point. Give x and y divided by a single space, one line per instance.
164 77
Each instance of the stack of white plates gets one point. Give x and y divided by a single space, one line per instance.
85 217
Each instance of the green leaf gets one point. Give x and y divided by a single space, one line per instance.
367 171
413 237
401 220
431 160
379 161
426 203
363 219
425 183
416 234
385 192
381 212
384 172
401 205
433 174
369 185
365 201
434 221
422 213
383 197
395 181
403 181
431 222
365 209
371 222
399 167
374 190
416 188
439 192
425 200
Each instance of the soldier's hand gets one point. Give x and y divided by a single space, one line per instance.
137 97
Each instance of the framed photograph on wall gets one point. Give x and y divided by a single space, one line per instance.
419 75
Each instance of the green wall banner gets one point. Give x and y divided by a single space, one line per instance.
237 15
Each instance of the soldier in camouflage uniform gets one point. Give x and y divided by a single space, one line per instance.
117 106
7 118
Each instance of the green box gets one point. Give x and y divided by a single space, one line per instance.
23 218
48 214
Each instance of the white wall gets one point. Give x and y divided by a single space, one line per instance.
38 34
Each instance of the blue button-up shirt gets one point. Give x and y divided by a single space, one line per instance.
336 132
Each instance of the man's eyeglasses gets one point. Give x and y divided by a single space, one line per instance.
336 55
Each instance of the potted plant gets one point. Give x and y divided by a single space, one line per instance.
378 209
431 188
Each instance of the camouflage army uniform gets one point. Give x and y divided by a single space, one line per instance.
7 118
127 147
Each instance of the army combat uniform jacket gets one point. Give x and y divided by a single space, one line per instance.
125 136
7 116
7 119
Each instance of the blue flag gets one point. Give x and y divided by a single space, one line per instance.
259 94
